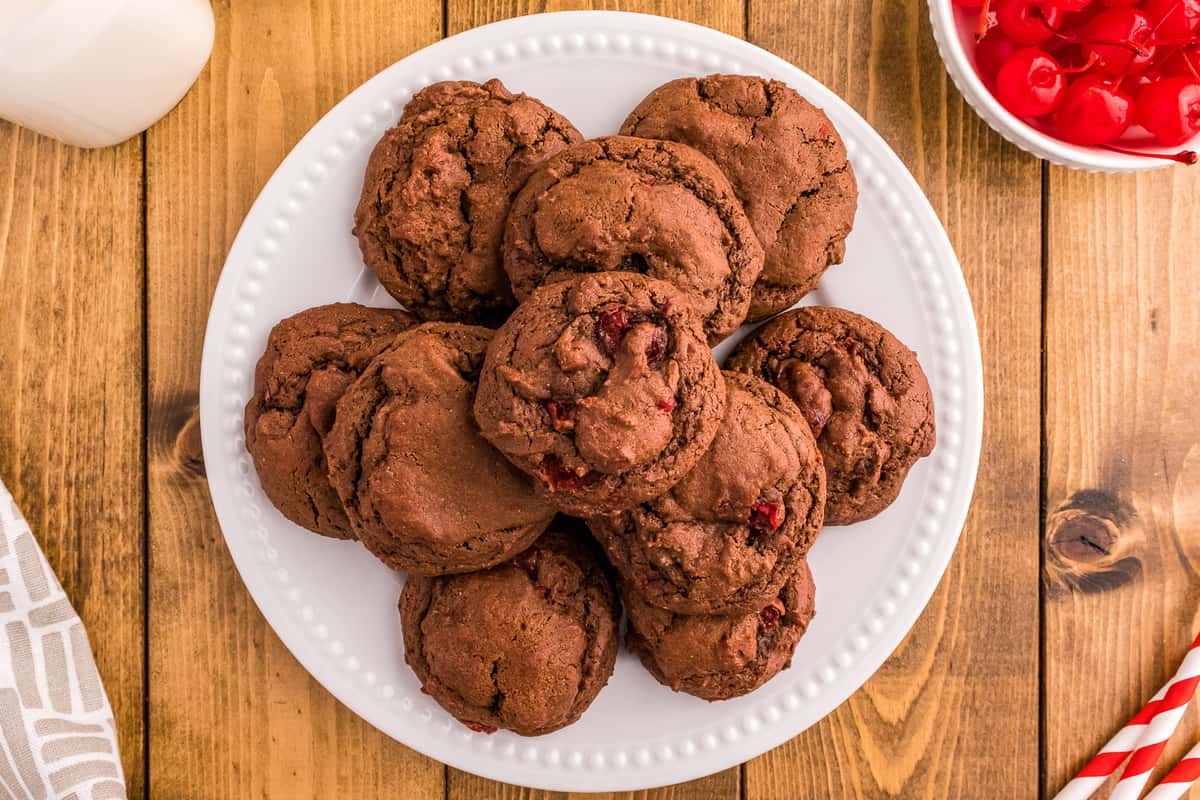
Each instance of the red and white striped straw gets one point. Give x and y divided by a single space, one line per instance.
1129 740
1112 755
1155 736
1179 779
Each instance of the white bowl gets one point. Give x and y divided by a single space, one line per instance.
956 46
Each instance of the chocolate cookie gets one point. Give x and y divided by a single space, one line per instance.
603 388
310 360
718 657
423 490
658 208
437 189
785 160
863 393
525 645
727 537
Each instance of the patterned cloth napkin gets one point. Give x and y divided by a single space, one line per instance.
57 736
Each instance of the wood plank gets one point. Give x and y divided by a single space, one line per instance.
722 786
724 15
232 713
955 708
71 359
1123 453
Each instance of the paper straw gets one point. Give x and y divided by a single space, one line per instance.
1112 755
1179 779
1128 739
1154 737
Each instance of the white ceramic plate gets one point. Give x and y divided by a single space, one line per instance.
334 606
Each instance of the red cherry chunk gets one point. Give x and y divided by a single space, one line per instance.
560 479
1093 111
562 414
611 327
1028 22
658 345
480 728
667 404
1170 109
769 617
766 516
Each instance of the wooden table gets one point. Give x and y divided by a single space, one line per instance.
1071 597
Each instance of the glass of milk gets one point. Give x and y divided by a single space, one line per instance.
96 72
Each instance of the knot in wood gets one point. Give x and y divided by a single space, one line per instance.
1091 541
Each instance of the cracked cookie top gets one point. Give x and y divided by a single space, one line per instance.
785 160
726 537
437 189
718 656
654 207
423 490
603 388
863 393
525 645
309 361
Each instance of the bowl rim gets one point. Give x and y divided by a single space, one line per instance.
1022 134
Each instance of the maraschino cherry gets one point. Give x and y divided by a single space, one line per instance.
1031 82
1184 61
1170 109
1120 39
1093 110
1029 22
1075 67
1173 19
991 52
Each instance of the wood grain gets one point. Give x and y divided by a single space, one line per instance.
1122 453
953 713
71 388
724 15
232 714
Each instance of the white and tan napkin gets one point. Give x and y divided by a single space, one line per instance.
57 736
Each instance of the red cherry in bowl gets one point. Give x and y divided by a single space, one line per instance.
1185 61
1120 39
1170 109
1028 22
1030 83
991 52
1093 110
1173 19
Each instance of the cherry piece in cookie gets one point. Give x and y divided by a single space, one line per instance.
603 388
864 394
717 657
525 645
425 492
726 537
309 361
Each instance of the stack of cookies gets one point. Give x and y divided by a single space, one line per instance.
543 435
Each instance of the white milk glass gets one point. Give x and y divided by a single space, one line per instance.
95 72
